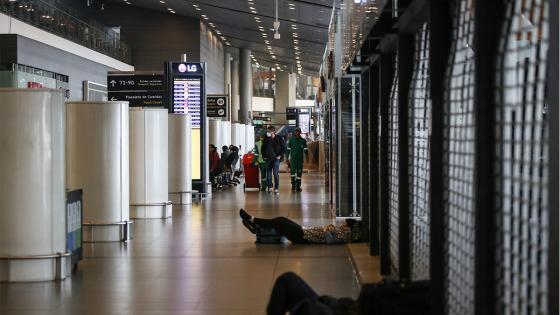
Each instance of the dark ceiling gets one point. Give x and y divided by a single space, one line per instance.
248 24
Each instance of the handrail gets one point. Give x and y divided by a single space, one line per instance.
49 18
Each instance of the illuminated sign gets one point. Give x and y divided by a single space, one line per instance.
186 95
187 98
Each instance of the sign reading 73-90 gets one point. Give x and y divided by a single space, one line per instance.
140 90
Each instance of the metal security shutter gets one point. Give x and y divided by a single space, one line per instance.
522 166
419 165
458 165
394 172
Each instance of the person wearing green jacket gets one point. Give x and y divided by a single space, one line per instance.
261 163
296 146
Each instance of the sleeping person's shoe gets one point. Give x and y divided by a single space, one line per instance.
244 215
250 226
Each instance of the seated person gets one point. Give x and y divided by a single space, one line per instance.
328 234
214 161
292 294
225 152
235 152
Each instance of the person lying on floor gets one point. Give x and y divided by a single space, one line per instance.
292 294
327 234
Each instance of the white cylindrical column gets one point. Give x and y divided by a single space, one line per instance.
242 138
226 133
97 162
180 155
148 163
249 138
32 197
215 133
234 134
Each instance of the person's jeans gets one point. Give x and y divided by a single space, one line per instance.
272 168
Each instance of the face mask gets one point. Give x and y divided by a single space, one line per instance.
269 134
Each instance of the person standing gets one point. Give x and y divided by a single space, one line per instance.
297 145
273 149
260 162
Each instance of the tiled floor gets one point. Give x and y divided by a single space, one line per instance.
202 261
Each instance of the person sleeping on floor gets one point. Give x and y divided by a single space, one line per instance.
350 231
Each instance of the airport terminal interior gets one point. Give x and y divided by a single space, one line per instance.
275 157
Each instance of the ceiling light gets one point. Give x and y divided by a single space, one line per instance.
197 9
172 11
252 8
160 1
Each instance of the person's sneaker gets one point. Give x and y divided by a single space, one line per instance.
269 190
299 189
276 192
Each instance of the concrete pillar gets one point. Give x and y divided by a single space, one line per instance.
235 90
285 94
227 79
245 86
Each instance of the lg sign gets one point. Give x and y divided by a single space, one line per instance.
187 68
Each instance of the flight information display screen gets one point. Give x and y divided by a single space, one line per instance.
187 98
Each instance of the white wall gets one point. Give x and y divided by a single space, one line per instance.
263 104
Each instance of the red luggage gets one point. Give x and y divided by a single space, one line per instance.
251 172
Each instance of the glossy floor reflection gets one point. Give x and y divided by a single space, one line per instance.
202 261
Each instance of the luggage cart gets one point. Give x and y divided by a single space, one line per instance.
251 171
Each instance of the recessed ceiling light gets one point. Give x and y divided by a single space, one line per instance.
197 9
172 11
160 1
252 8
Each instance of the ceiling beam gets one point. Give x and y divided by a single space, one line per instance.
308 53
260 15
314 4
257 31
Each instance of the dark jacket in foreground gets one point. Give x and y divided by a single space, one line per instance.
273 147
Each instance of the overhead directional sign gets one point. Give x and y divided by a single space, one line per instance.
216 105
139 89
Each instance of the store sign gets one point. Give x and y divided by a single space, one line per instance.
216 106
139 90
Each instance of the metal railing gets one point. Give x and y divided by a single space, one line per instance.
51 19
